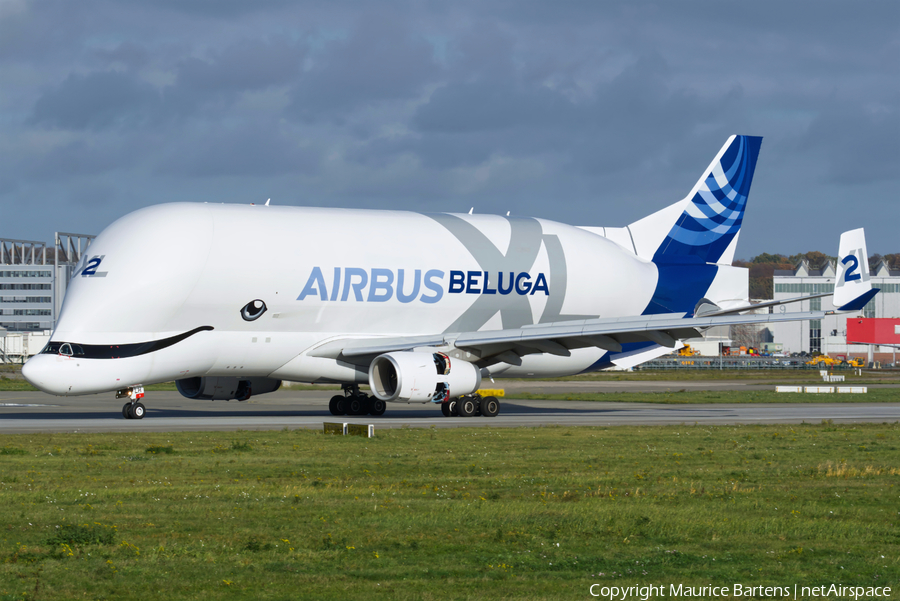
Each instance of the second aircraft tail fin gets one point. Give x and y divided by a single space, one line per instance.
853 288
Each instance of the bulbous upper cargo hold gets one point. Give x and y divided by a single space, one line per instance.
172 268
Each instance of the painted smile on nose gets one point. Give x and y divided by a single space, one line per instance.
51 370
116 351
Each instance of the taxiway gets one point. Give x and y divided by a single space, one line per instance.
23 412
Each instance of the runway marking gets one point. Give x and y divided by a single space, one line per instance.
25 405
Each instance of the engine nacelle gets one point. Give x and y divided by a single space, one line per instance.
421 377
225 389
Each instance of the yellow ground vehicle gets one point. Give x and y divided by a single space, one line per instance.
687 351
857 362
823 361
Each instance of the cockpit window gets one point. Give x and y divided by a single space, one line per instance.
52 348
115 351
69 349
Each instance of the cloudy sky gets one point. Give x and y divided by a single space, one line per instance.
592 113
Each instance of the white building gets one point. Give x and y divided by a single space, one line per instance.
829 336
26 286
19 346
33 281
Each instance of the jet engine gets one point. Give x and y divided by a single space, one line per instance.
421 377
225 388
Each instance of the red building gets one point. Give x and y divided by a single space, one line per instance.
881 331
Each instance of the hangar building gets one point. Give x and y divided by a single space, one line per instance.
32 287
829 336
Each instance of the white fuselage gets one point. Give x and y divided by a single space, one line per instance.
324 274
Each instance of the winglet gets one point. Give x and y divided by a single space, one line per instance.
853 289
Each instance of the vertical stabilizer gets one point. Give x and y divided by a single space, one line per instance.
704 226
853 288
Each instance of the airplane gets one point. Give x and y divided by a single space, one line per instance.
230 300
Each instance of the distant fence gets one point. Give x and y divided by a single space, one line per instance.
732 362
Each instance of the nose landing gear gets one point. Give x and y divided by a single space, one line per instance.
133 409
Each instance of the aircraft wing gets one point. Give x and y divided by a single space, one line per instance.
509 345
852 291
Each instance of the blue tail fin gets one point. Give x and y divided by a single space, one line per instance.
709 219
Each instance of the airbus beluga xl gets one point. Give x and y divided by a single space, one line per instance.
421 307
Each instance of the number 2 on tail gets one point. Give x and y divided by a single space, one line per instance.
850 275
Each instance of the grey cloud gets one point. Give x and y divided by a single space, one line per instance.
379 61
489 105
856 146
85 157
131 55
220 9
40 29
522 118
609 109
96 100
260 150
207 88
483 51
246 65
92 194
113 98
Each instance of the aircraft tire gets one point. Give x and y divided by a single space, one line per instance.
337 406
445 409
466 407
490 406
356 406
377 407
138 411
126 410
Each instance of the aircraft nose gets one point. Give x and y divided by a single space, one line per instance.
42 372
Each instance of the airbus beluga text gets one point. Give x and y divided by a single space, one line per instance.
243 297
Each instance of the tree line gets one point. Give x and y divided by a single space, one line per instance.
762 267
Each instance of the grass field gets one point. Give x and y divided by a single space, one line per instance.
679 397
770 376
527 513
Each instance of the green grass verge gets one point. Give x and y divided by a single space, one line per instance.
684 397
474 513
15 385
768 375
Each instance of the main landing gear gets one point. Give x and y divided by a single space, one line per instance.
133 409
471 405
354 402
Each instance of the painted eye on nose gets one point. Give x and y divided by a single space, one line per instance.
253 310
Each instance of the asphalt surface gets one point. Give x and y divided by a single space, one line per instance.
23 412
